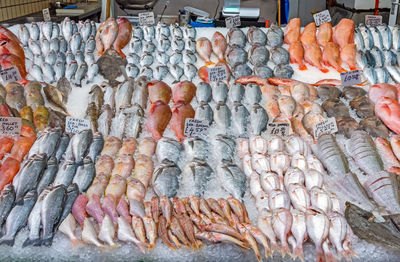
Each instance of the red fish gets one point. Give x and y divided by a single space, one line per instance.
21 147
348 55
8 171
183 92
333 82
324 34
313 56
343 33
296 52
244 80
27 131
219 45
159 91
203 74
124 35
292 31
180 112
308 36
5 33
158 118
331 56
79 209
109 33
10 60
8 46
377 91
204 49
93 208
6 143
388 110
123 209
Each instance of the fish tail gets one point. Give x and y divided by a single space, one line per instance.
298 252
285 250
324 70
31 242
121 53
210 63
76 242
303 67
341 70
46 242
319 255
8 242
353 68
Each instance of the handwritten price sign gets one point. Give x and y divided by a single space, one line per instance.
351 78
373 20
76 125
146 18
233 21
325 127
10 74
195 127
46 15
217 73
280 129
322 17
10 126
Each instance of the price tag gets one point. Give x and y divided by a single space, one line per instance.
351 78
373 20
10 74
217 73
325 127
195 127
76 125
277 128
10 126
146 18
46 15
322 17
233 21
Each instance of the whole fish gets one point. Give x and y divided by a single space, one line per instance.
177 44
7 198
189 31
15 95
84 175
143 169
34 222
377 37
395 38
377 54
275 35
218 43
164 44
204 112
48 175
370 74
235 36
231 179
394 72
386 34
65 174
222 116
279 55
256 36
168 148
236 55
258 119
224 147
331 155
165 178
23 34
204 49
108 34
239 118
196 173
54 97
309 34
190 45
33 95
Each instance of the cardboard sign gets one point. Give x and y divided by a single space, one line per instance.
10 74
146 18
217 73
195 127
76 125
351 78
322 17
373 20
233 21
277 128
10 126
325 127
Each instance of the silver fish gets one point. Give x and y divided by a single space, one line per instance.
331 156
239 118
136 45
36 72
177 72
45 46
146 71
162 58
80 73
92 72
71 194
222 116
123 94
279 55
190 71
34 47
56 31
133 58
134 119
79 57
65 174
75 42
203 92
48 72
66 28
177 44
23 34
168 148
89 58
358 39
165 179
223 148
371 75
361 59
175 58
72 67
147 59
382 74
34 31
258 119
236 92
378 56
148 47
63 44
190 44
7 198
104 120
220 92
367 36
252 94
84 175
386 36
34 222
196 174
196 148
162 29
47 29
189 31
176 31
204 112
86 30
396 38
51 57
161 72
188 56
132 70
96 146
232 179
283 70
235 36
258 55
28 53
140 92
48 175
38 60
377 37
137 32
69 57
90 45
394 73
390 58
55 45
164 44
274 35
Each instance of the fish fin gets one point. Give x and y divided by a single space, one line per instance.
298 252
324 70
46 242
341 70
274 247
319 255
31 242
363 83
210 63
76 242
303 67
222 60
285 250
353 68
8 242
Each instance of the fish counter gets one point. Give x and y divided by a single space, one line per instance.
254 179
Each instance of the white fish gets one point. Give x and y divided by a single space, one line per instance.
279 163
299 196
260 163
317 229
313 178
107 231
89 234
278 199
299 232
300 162
275 144
282 223
255 184
321 199
293 176
258 144
269 181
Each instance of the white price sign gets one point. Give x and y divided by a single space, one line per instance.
277 128
10 74
76 125
373 20
217 73
46 15
146 18
325 127
195 127
10 126
351 78
233 21
322 17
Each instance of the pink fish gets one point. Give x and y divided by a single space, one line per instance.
159 91
204 49
123 209
109 33
388 110
219 45
109 207
79 209
377 91
157 119
93 208
183 92
124 35
179 114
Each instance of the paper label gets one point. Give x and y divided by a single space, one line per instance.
146 18
351 78
10 126
217 73
373 20
76 125
232 21
46 15
322 17
325 127
10 74
195 127
277 128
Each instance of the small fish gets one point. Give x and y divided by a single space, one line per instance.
165 178
239 118
204 112
222 116
231 179
196 173
236 55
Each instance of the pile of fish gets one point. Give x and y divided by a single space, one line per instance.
54 51
377 52
337 44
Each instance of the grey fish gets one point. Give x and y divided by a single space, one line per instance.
80 73
28 176
223 148
133 124
363 106
189 31
55 45
17 218
165 179
367 36
358 39
104 121
162 29
232 179
94 28
398 58
86 30
204 112
59 69
80 144
256 36
148 47
175 58
394 73
79 57
66 28
176 31
346 125
33 95
258 55
222 116
71 194
84 175
168 148
69 57
74 27
96 146
90 45
236 92
197 173
386 36
140 92
92 72
7 198
51 57
133 58
28 53
146 59
195 148
220 92
161 72
45 46
279 55
38 60
274 35
56 31
48 175
65 173
123 95
371 75
258 119
75 42
36 72
331 156
136 45
72 67
190 44
64 86
361 59
252 94
334 107
235 55
15 96
52 207
146 71
34 31
390 57
377 37
177 44
328 91
235 36
370 58
188 56
177 72
203 92
374 127
34 222
396 38
63 44
263 71
34 47
49 142
240 116
378 56
23 34
89 58
132 70
47 29
137 32
164 44
241 70
382 75
162 58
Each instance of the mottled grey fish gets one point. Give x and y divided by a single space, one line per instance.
223 147
220 92
204 112
235 55
232 179
263 71
165 179
252 94
256 36
258 55
274 35
283 71
134 120
235 36
196 174
241 70
258 119
279 55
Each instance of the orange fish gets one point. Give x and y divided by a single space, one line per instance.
333 82
313 56
292 31
331 56
343 33
348 55
204 49
296 52
21 147
203 74
27 131
5 110
109 33
159 91
388 110
158 118
219 45
8 171
324 34
124 35
244 80
180 112
308 36
5 33
183 92
99 43
10 60
6 144
8 46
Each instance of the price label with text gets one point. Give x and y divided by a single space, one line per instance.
233 21
373 20
146 18
76 125
10 74
217 73
351 78
10 126
277 128
195 127
325 127
46 15
322 17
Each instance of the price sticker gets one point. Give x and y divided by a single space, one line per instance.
10 126
146 18
325 127
233 21
351 78
373 20
217 73
76 125
195 127
277 128
46 15
322 17
10 74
